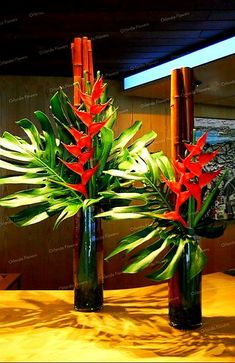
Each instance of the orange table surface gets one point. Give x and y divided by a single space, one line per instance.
41 326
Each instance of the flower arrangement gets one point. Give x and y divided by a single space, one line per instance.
75 164
175 197
64 163
172 199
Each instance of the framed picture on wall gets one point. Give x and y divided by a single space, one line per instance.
221 134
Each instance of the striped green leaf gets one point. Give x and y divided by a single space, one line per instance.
146 256
126 136
170 263
133 240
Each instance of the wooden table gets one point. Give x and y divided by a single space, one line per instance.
41 326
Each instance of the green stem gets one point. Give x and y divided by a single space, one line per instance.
191 202
191 214
92 182
208 201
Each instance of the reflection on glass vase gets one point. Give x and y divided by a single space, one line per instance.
185 295
88 261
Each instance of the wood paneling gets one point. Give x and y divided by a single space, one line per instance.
220 251
43 256
211 111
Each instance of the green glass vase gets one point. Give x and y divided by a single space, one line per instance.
88 261
185 295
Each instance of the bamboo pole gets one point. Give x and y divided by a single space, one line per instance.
90 63
175 112
187 74
85 74
182 110
77 67
82 60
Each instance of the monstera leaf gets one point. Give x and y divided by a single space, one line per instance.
36 163
140 166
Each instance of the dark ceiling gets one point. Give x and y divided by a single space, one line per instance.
127 35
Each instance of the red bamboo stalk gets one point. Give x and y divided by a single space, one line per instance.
90 63
175 113
77 68
72 53
187 74
85 56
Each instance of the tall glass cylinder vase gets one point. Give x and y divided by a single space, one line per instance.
185 295
88 261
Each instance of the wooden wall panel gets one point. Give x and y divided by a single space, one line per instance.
154 116
44 256
220 251
213 111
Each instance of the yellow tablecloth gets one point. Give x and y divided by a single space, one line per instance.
41 326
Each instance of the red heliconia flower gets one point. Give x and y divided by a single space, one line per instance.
180 168
96 127
76 167
206 178
84 116
75 133
195 190
74 150
191 178
96 109
185 177
90 100
98 89
79 188
174 216
84 157
174 186
197 148
85 141
182 197
87 99
205 158
86 176
82 139
83 150
194 167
